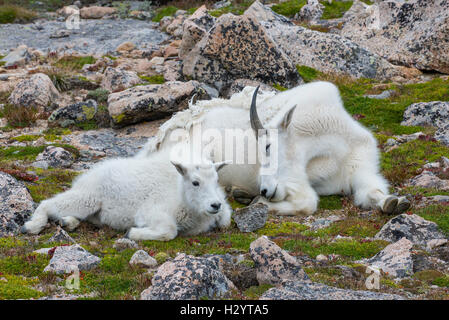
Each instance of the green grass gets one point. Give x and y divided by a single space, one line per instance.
273 229
100 95
74 63
336 9
256 291
237 8
404 162
30 265
15 287
155 79
15 14
289 8
28 153
438 214
307 74
330 202
348 249
27 137
164 12
50 183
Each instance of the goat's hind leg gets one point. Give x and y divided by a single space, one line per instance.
371 192
67 208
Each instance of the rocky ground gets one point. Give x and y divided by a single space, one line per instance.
69 98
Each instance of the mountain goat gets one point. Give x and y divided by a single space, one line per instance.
321 149
156 198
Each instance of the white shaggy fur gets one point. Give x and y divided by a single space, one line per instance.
155 198
322 149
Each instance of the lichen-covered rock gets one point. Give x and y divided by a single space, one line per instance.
75 113
239 47
124 243
61 236
295 290
326 52
412 227
435 114
189 278
18 57
251 218
96 12
38 90
194 28
67 259
311 12
395 260
152 102
239 84
116 79
16 205
274 264
142 259
412 33
428 179
56 157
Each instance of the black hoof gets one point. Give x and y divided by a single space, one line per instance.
127 234
23 229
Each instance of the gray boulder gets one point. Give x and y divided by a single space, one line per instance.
274 264
152 102
435 114
188 278
61 236
412 33
294 290
239 47
116 79
56 157
396 259
67 259
16 205
326 52
412 227
124 243
38 90
142 259
75 113
18 57
251 218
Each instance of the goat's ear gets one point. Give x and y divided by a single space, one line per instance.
287 118
220 165
180 168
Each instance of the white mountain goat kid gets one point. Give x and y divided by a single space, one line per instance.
321 149
155 198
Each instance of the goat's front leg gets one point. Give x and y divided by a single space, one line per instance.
224 218
291 207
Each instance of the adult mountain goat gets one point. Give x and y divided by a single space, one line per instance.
320 148
155 198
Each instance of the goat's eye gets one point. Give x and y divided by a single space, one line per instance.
196 183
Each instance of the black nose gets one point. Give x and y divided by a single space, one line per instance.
216 206
263 192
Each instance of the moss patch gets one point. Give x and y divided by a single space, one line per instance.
164 12
438 214
50 183
289 8
336 9
74 63
156 79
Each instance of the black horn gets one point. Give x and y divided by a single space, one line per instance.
256 124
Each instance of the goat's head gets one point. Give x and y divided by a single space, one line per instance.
200 186
272 147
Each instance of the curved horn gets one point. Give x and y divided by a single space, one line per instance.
256 124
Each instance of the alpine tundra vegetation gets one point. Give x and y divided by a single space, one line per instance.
78 105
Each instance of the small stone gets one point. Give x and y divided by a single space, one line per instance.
38 90
124 243
116 79
412 227
125 47
321 258
142 259
56 157
188 278
395 260
274 264
251 218
61 236
157 61
428 179
67 259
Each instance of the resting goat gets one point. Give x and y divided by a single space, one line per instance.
153 197
321 149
